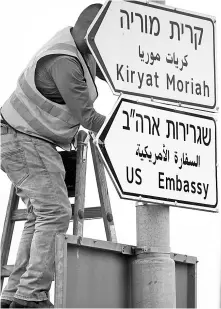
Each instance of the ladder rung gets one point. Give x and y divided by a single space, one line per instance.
19 215
89 213
92 213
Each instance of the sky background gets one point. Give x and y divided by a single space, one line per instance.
24 27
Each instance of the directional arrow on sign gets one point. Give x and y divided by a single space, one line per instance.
161 155
156 51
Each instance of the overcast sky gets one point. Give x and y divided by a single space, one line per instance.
24 27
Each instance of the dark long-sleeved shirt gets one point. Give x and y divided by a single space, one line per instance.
60 78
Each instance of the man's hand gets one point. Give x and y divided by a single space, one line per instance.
92 134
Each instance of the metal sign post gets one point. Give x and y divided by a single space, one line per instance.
153 153
159 154
154 282
153 272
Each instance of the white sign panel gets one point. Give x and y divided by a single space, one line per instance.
161 155
156 52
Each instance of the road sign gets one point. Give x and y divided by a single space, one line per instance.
162 155
156 52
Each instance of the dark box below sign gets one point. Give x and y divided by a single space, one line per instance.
97 274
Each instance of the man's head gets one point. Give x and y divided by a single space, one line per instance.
82 24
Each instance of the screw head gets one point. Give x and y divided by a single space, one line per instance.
80 214
109 217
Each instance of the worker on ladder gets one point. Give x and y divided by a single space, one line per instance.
54 96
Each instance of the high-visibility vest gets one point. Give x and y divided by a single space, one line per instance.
28 111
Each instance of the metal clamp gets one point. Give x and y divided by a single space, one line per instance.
128 250
145 249
84 147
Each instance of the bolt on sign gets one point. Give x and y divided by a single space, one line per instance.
161 155
157 52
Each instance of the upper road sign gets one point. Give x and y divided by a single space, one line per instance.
161 154
156 52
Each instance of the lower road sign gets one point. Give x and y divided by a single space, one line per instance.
161 155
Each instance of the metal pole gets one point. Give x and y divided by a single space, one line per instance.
153 271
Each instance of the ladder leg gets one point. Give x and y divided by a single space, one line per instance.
80 185
8 229
103 194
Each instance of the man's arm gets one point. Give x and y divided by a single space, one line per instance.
68 76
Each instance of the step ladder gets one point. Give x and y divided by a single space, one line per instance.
75 163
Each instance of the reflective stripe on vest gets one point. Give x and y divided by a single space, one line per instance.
37 127
47 106
28 111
